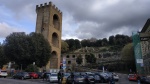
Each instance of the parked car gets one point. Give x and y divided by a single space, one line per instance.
3 73
104 77
97 78
76 73
39 74
83 73
21 75
69 80
116 77
33 75
53 77
79 79
145 80
88 73
90 79
132 77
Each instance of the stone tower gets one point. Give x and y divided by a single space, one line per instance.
49 23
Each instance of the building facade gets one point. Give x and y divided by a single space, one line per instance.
70 58
49 23
145 46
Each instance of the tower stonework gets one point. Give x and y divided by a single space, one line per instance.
49 23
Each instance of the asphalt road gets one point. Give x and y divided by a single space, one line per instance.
123 80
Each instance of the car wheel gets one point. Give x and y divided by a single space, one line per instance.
31 77
102 81
13 77
22 78
39 77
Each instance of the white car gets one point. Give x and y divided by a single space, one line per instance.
116 77
53 77
3 73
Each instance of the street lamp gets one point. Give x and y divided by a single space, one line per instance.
34 66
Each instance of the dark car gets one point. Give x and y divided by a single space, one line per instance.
76 73
21 75
104 77
39 74
90 79
79 79
145 80
69 80
97 78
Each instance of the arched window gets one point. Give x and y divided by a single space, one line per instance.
56 22
55 40
54 60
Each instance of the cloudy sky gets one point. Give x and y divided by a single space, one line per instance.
82 19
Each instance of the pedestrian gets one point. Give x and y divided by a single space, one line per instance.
138 79
86 78
44 76
72 77
59 77
62 75
130 70
111 80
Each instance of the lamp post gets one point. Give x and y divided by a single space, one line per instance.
34 66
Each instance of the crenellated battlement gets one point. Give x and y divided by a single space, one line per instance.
47 5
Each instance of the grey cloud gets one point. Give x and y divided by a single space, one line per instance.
131 16
110 19
6 29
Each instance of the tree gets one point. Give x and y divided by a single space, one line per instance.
64 47
16 48
99 43
104 42
73 44
70 42
111 40
32 68
40 48
79 60
127 54
77 43
90 58
3 58
85 43
25 49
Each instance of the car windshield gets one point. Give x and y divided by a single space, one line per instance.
66 74
3 71
53 74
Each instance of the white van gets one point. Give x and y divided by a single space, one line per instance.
3 73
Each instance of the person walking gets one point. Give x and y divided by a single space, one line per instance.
112 80
62 75
72 77
86 78
44 76
59 77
